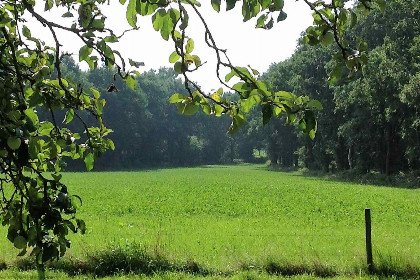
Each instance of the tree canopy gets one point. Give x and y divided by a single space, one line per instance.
36 206
371 122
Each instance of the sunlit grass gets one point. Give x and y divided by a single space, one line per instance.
227 218
248 275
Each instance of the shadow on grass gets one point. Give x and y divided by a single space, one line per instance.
290 269
117 260
386 265
404 181
134 260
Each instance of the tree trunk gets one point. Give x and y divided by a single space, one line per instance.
383 152
309 159
388 151
232 150
341 154
41 271
350 156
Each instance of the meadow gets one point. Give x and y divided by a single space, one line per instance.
235 220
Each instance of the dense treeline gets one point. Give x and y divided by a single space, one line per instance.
371 123
147 129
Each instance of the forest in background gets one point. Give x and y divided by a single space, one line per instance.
368 124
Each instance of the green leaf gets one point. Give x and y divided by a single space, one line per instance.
157 19
197 60
230 75
261 21
363 46
247 104
89 160
85 14
218 110
315 104
69 116
327 39
311 124
278 5
95 92
22 253
136 64
26 32
135 72
353 20
312 134
285 95
244 74
174 57
216 97
14 144
246 13
111 39
302 124
111 144
49 253
174 16
67 15
255 71
45 128
178 67
216 5
267 112
282 16
131 13
84 52
3 153
4 19
269 24
145 8
81 225
238 121
71 226
265 4
190 46
185 19
381 4
32 116
335 74
99 106
206 108
188 108
167 22
48 5
176 98
131 82
20 242
98 24
230 4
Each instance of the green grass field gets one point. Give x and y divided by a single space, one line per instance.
234 218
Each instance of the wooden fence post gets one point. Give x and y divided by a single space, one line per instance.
368 227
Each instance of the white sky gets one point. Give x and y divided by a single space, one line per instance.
246 45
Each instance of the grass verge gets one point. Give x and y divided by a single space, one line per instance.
129 260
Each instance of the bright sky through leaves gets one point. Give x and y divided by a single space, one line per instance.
245 44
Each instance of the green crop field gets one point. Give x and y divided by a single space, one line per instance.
237 218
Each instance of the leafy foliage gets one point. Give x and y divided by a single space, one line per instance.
369 124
